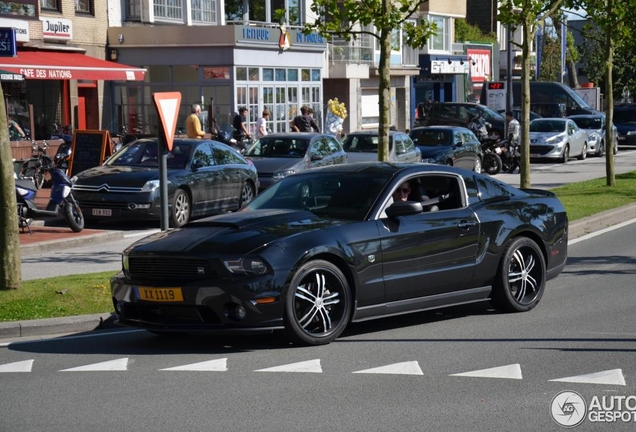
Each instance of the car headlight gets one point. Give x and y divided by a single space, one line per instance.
244 266
21 191
631 132
555 140
125 265
428 160
593 138
73 179
279 175
150 186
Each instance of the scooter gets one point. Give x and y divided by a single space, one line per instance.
62 200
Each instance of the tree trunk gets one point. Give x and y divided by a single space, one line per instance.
609 94
524 148
10 273
384 73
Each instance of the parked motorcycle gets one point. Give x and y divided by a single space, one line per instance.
494 152
39 158
61 200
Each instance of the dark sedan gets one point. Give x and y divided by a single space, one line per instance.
315 252
362 146
278 155
448 145
204 178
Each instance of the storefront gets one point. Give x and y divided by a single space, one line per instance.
226 67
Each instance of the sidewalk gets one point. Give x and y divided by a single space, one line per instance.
52 238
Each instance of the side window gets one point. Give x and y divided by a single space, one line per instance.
225 157
334 145
320 147
399 145
204 154
409 146
472 189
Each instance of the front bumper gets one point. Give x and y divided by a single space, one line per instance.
119 206
208 305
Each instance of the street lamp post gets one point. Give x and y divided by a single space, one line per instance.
509 94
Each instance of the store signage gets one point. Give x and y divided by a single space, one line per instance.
446 67
21 28
8 47
255 34
57 29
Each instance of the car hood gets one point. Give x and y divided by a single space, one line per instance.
237 233
430 152
272 165
117 176
542 137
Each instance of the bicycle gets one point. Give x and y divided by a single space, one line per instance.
39 158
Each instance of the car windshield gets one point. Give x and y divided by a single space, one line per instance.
432 138
337 195
144 153
588 122
365 143
553 126
279 147
490 114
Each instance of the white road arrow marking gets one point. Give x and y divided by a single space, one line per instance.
312 366
611 377
512 371
405 368
111 365
219 365
21 366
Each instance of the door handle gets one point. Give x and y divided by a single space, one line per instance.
466 225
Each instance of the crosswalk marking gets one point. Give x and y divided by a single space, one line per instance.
21 366
311 366
611 377
512 371
218 365
404 368
111 365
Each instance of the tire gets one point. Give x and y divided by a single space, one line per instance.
318 304
601 149
583 154
247 194
477 167
566 154
521 276
74 217
492 164
180 209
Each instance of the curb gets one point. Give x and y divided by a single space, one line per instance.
601 220
46 246
72 324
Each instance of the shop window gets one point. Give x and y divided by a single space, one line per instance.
268 74
254 75
185 74
305 74
84 6
241 74
204 11
133 9
24 8
315 74
170 9
292 74
280 74
216 73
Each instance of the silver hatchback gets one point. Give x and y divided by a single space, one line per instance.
362 146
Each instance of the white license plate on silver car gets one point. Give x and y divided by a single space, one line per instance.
102 212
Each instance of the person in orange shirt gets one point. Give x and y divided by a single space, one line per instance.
193 123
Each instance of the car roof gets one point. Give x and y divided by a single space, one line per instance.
372 132
371 167
440 127
295 135
576 116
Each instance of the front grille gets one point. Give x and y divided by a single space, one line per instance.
104 188
151 267
540 150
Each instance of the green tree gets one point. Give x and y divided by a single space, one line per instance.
349 19
465 32
614 18
526 15
10 274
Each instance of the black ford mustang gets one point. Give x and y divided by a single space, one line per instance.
322 248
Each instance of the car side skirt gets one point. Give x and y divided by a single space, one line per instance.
437 301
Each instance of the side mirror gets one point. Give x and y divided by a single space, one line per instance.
404 208
315 157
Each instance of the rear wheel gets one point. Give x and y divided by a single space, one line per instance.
318 304
521 276
180 211
247 194
492 164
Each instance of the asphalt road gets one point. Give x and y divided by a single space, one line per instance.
458 369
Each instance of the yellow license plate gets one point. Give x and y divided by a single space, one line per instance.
160 294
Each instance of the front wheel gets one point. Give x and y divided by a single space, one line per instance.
247 194
318 304
566 154
521 276
74 216
180 210
492 164
583 154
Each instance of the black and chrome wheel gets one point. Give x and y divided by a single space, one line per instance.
180 211
247 194
318 304
521 276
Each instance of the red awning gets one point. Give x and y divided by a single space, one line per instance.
48 65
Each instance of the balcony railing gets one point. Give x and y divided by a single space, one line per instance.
350 54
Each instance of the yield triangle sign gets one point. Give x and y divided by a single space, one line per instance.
167 104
